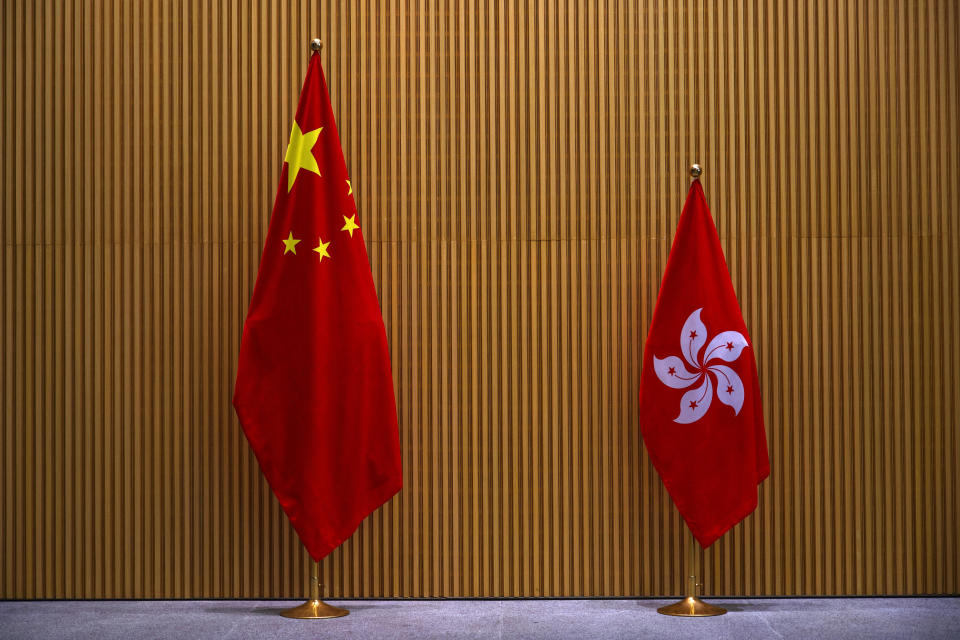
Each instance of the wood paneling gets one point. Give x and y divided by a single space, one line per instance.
519 170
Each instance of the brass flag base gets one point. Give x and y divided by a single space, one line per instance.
314 610
691 607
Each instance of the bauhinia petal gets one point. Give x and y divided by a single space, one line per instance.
673 373
729 386
726 346
692 338
695 402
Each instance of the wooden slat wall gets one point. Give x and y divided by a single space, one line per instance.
519 169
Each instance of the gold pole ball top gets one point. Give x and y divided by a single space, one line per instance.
316 44
696 171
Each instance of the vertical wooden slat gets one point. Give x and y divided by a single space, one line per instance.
519 168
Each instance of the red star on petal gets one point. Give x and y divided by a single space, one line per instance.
693 334
672 371
693 404
729 389
729 346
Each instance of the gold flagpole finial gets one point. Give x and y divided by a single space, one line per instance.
696 171
316 45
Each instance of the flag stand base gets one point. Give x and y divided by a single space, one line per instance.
691 607
314 608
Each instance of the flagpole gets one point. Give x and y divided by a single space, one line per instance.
692 606
315 608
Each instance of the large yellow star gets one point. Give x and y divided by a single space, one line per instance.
321 248
350 224
290 245
300 153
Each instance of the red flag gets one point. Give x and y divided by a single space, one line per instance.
314 391
700 410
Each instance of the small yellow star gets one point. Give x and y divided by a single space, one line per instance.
300 153
290 245
349 224
350 187
321 248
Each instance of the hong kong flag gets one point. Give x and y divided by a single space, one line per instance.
700 411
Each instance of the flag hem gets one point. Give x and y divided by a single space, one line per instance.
713 533
381 494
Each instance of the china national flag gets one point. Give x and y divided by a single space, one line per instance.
314 391
700 410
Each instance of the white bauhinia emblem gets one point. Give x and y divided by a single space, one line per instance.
672 371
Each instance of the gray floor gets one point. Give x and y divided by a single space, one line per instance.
760 618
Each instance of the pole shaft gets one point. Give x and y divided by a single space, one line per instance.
315 581
692 566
